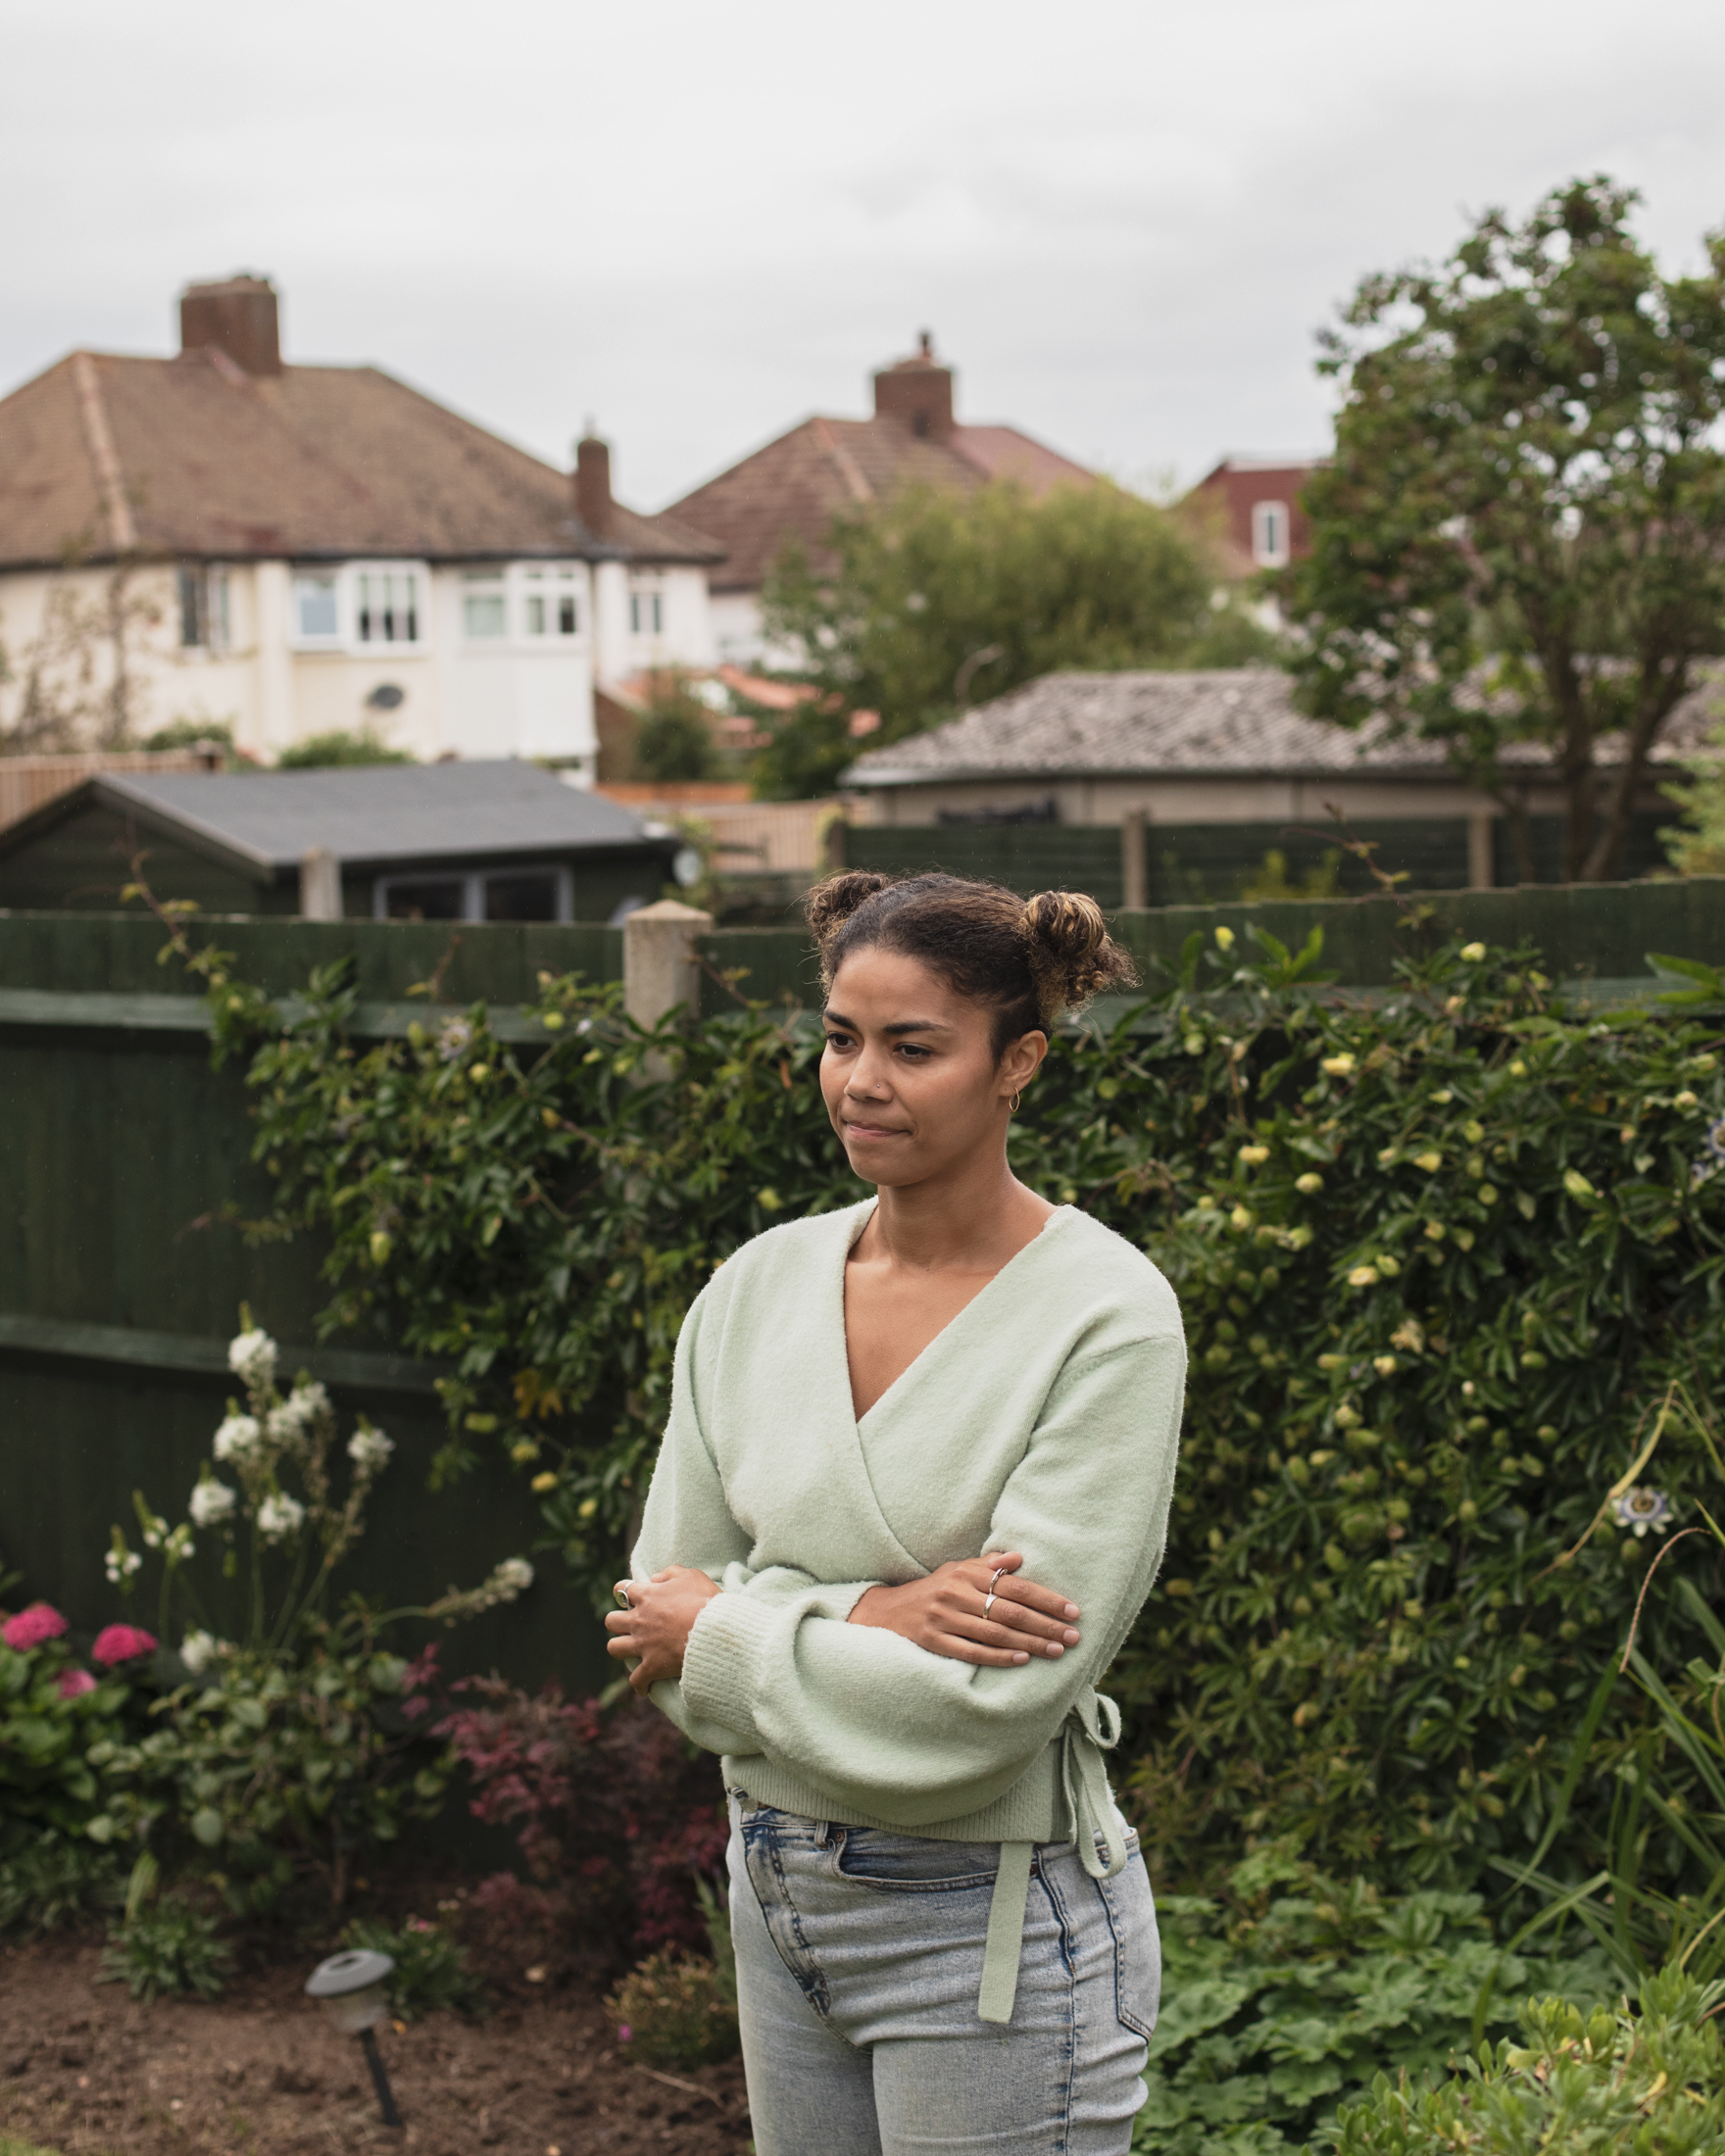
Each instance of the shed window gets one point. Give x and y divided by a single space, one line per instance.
522 898
426 898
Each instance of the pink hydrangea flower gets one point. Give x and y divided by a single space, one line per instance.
119 1643
31 1627
74 1683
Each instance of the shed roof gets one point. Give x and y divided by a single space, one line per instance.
1239 723
265 821
105 455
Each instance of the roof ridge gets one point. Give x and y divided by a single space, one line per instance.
842 462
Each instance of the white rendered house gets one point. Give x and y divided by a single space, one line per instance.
293 550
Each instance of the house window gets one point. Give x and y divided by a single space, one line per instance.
548 603
317 610
484 606
646 613
194 627
388 607
1269 534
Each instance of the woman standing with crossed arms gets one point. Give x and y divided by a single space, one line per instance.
912 1493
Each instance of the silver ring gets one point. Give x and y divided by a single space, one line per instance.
620 1595
988 1601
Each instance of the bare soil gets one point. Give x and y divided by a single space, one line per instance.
87 2070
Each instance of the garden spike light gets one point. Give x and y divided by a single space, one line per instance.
350 1988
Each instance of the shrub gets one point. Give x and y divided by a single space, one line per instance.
168 1945
1607 2083
618 1817
52 1880
1443 1254
430 1973
1274 2010
52 1711
674 2012
295 1748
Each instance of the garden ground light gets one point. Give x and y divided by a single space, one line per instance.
350 1988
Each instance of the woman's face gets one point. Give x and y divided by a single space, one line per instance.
910 1075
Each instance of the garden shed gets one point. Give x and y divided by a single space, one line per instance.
475 841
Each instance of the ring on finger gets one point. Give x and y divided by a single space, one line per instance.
988 1601
620 1595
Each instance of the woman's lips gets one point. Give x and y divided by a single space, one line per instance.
872 1131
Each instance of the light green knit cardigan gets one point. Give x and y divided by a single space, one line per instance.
1044 1418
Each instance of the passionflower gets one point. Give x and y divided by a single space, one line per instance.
1640 1508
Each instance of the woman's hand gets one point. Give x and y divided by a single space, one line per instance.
944 1613
654 1631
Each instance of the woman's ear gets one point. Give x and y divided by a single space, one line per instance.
1022 1060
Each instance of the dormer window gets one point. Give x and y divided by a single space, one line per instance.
1270 524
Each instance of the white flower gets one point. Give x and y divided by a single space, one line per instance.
1642 1508
198 1649
454 1037
370 1448
513 1576
212 1501
279 1516
1473 953
121 1565
238 1436
251 1356
302 1407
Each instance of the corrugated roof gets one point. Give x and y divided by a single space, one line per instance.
793 487
1235 723
316 460
382 812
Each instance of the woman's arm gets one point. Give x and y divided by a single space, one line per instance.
863 1712
970 1611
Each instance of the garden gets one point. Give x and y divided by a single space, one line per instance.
1424 1723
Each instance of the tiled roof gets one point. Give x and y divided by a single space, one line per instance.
268 819
1235 723
792 488
191 456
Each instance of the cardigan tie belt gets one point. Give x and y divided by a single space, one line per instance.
1091 1727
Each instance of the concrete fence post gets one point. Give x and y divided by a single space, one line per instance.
660 966
320 885
1481 829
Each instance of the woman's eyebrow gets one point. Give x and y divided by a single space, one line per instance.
903 1025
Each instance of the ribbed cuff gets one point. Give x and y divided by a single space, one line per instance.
722 1661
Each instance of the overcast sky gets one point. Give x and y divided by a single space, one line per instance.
697 223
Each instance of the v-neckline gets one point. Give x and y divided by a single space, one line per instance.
946 1330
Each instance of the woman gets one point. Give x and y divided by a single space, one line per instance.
911 1446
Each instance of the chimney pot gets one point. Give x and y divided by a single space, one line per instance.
239 315
593 484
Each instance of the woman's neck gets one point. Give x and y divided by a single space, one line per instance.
974 1218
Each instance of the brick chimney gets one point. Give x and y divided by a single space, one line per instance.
919 391
238 315
593 484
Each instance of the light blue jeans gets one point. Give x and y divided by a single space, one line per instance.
858 1963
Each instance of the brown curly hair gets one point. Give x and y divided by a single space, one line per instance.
1031 958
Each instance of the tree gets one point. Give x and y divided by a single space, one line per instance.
673 741
940 599
1521 538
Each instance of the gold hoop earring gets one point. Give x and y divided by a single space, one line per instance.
1016 1098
